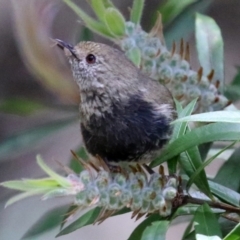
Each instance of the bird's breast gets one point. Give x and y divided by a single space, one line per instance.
94 105
127 132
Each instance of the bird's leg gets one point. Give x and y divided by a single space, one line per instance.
113 168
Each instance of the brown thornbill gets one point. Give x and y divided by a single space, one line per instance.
125 115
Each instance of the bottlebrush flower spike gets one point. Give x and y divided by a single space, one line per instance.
137 188
149 52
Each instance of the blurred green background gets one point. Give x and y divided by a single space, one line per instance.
48 117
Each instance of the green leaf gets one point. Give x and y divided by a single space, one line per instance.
42 182
217 116
122 211
190 209
183 24
23 141
85 219
172 8
47 222
207 133
188 230
180 126
206 163
204 149
190 162
69 213
224 193
62 181
98 8
190 236
20 106
226 225
185 210
230 169
107 3
232 92
156 231
92 24
234 234
74 208
138 231
29 185
30 188
136 11
206 223
210 46
179 130
86 34
134 54
115 22
236 80
21 196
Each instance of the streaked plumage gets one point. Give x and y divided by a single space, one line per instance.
125 115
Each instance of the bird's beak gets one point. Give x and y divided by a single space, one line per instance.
68 49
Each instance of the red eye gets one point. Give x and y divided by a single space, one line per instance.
90 58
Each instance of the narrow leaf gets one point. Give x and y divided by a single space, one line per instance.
136 11
179 130
172 8
115 22
99 8
92 24
226 225
188 230
183 24
206 163
230 169
185 210
138 231
47 222
232 91
86 34
234 234
190 236
209 46
21 196
157 231
190 161
25 185
217 116
43 182
206 223
85 219
180 127
68 214
208 133
134 54
58 178
108 3
225 193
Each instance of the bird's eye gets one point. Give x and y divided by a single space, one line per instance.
90 58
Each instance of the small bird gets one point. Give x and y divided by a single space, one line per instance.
125 115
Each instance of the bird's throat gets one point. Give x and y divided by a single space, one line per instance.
94 104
